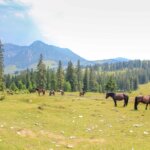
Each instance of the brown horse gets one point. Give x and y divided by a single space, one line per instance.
40 90
51 92
61 92
142 99
82 93
118 97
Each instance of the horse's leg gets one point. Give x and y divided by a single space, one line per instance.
124 103
146 106
115 103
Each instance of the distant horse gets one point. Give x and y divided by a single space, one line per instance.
61 92
82 93
51 92
40 90
142 99
118 97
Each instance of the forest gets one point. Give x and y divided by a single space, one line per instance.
119 76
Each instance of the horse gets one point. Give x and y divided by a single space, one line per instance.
51 92
61 92
82 93
141 99
118 97
40 90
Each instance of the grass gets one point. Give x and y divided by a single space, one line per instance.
32 122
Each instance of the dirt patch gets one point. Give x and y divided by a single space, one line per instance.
26 133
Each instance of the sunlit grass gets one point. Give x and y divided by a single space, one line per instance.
32 122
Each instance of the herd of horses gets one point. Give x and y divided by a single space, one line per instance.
115 97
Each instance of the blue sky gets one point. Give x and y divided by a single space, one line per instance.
94 29
16 26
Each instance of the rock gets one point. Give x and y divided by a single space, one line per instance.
137 125
70 146
88 129
1 125
131 131
146 133
72 137
80 116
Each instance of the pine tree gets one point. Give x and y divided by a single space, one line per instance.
48 79
41 73
67 86
60 76
86 80
1 68
33 78
79 76
71 77
93 85
111 85
53 82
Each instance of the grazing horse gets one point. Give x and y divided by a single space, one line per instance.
118 97
142 99
61 92
40 90
82 93
51 92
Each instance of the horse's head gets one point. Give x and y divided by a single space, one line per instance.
107 95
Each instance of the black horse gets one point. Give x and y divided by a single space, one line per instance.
40 90
82 93
118 97
141 99
51 92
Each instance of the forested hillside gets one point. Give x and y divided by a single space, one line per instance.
120 76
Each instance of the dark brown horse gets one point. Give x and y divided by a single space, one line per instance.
142 99
82 93
40 90
51 92
118 97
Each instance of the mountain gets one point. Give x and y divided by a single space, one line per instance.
21 57
110 61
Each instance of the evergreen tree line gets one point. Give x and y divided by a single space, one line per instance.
1 68
132 64
125 76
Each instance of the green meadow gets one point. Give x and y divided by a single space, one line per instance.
32 122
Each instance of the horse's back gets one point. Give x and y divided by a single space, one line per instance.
119 96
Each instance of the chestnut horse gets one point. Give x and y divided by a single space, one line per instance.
142 99
118 97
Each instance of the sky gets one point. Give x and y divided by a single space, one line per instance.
94 29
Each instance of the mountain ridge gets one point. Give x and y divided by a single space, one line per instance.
22 57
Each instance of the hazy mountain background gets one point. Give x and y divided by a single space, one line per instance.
21 57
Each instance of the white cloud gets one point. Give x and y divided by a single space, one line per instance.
95 29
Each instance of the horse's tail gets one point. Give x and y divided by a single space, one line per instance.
135 103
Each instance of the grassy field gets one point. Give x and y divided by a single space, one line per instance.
32 122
